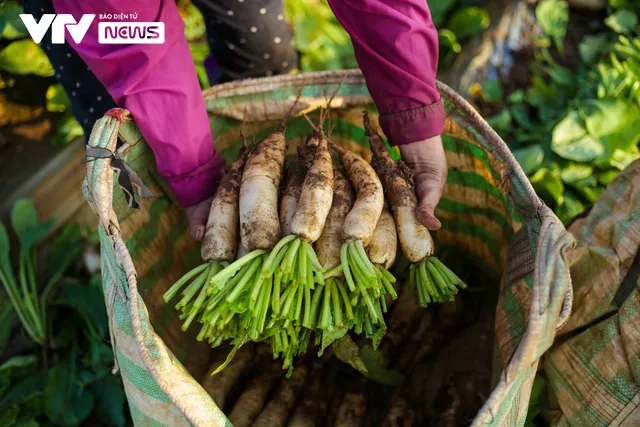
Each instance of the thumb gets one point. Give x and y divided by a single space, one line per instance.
429 187
198 216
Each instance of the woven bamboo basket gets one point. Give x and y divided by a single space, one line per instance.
494 226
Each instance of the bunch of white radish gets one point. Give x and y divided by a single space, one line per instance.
312 261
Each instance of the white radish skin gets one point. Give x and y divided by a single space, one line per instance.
363 218
296 174
221 236
330 241
415 239
316 196
384 243
259 224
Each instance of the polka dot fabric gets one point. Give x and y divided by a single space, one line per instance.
248 38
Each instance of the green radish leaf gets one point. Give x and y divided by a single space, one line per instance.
468 21
65 404
348 351
329 337
110 401
374 361
553 17
623 21
530 158
25 57
592 46
575 172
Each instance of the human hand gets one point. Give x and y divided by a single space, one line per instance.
428 163
198 215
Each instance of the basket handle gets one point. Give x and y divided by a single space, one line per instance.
103 158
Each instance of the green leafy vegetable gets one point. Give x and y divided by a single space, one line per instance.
530 158
623 21
13 27
553 17
25 57
57 99
68 130
65 403
468 21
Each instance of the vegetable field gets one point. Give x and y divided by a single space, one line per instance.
560 83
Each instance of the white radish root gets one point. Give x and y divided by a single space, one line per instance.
330 241
384 242
295 178
363 217
221 235
259 224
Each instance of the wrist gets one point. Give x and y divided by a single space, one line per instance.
410 126
191 189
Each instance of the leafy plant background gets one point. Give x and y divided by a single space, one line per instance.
574 130
573 127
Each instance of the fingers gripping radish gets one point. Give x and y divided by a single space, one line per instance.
367 283
433 281
218 245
